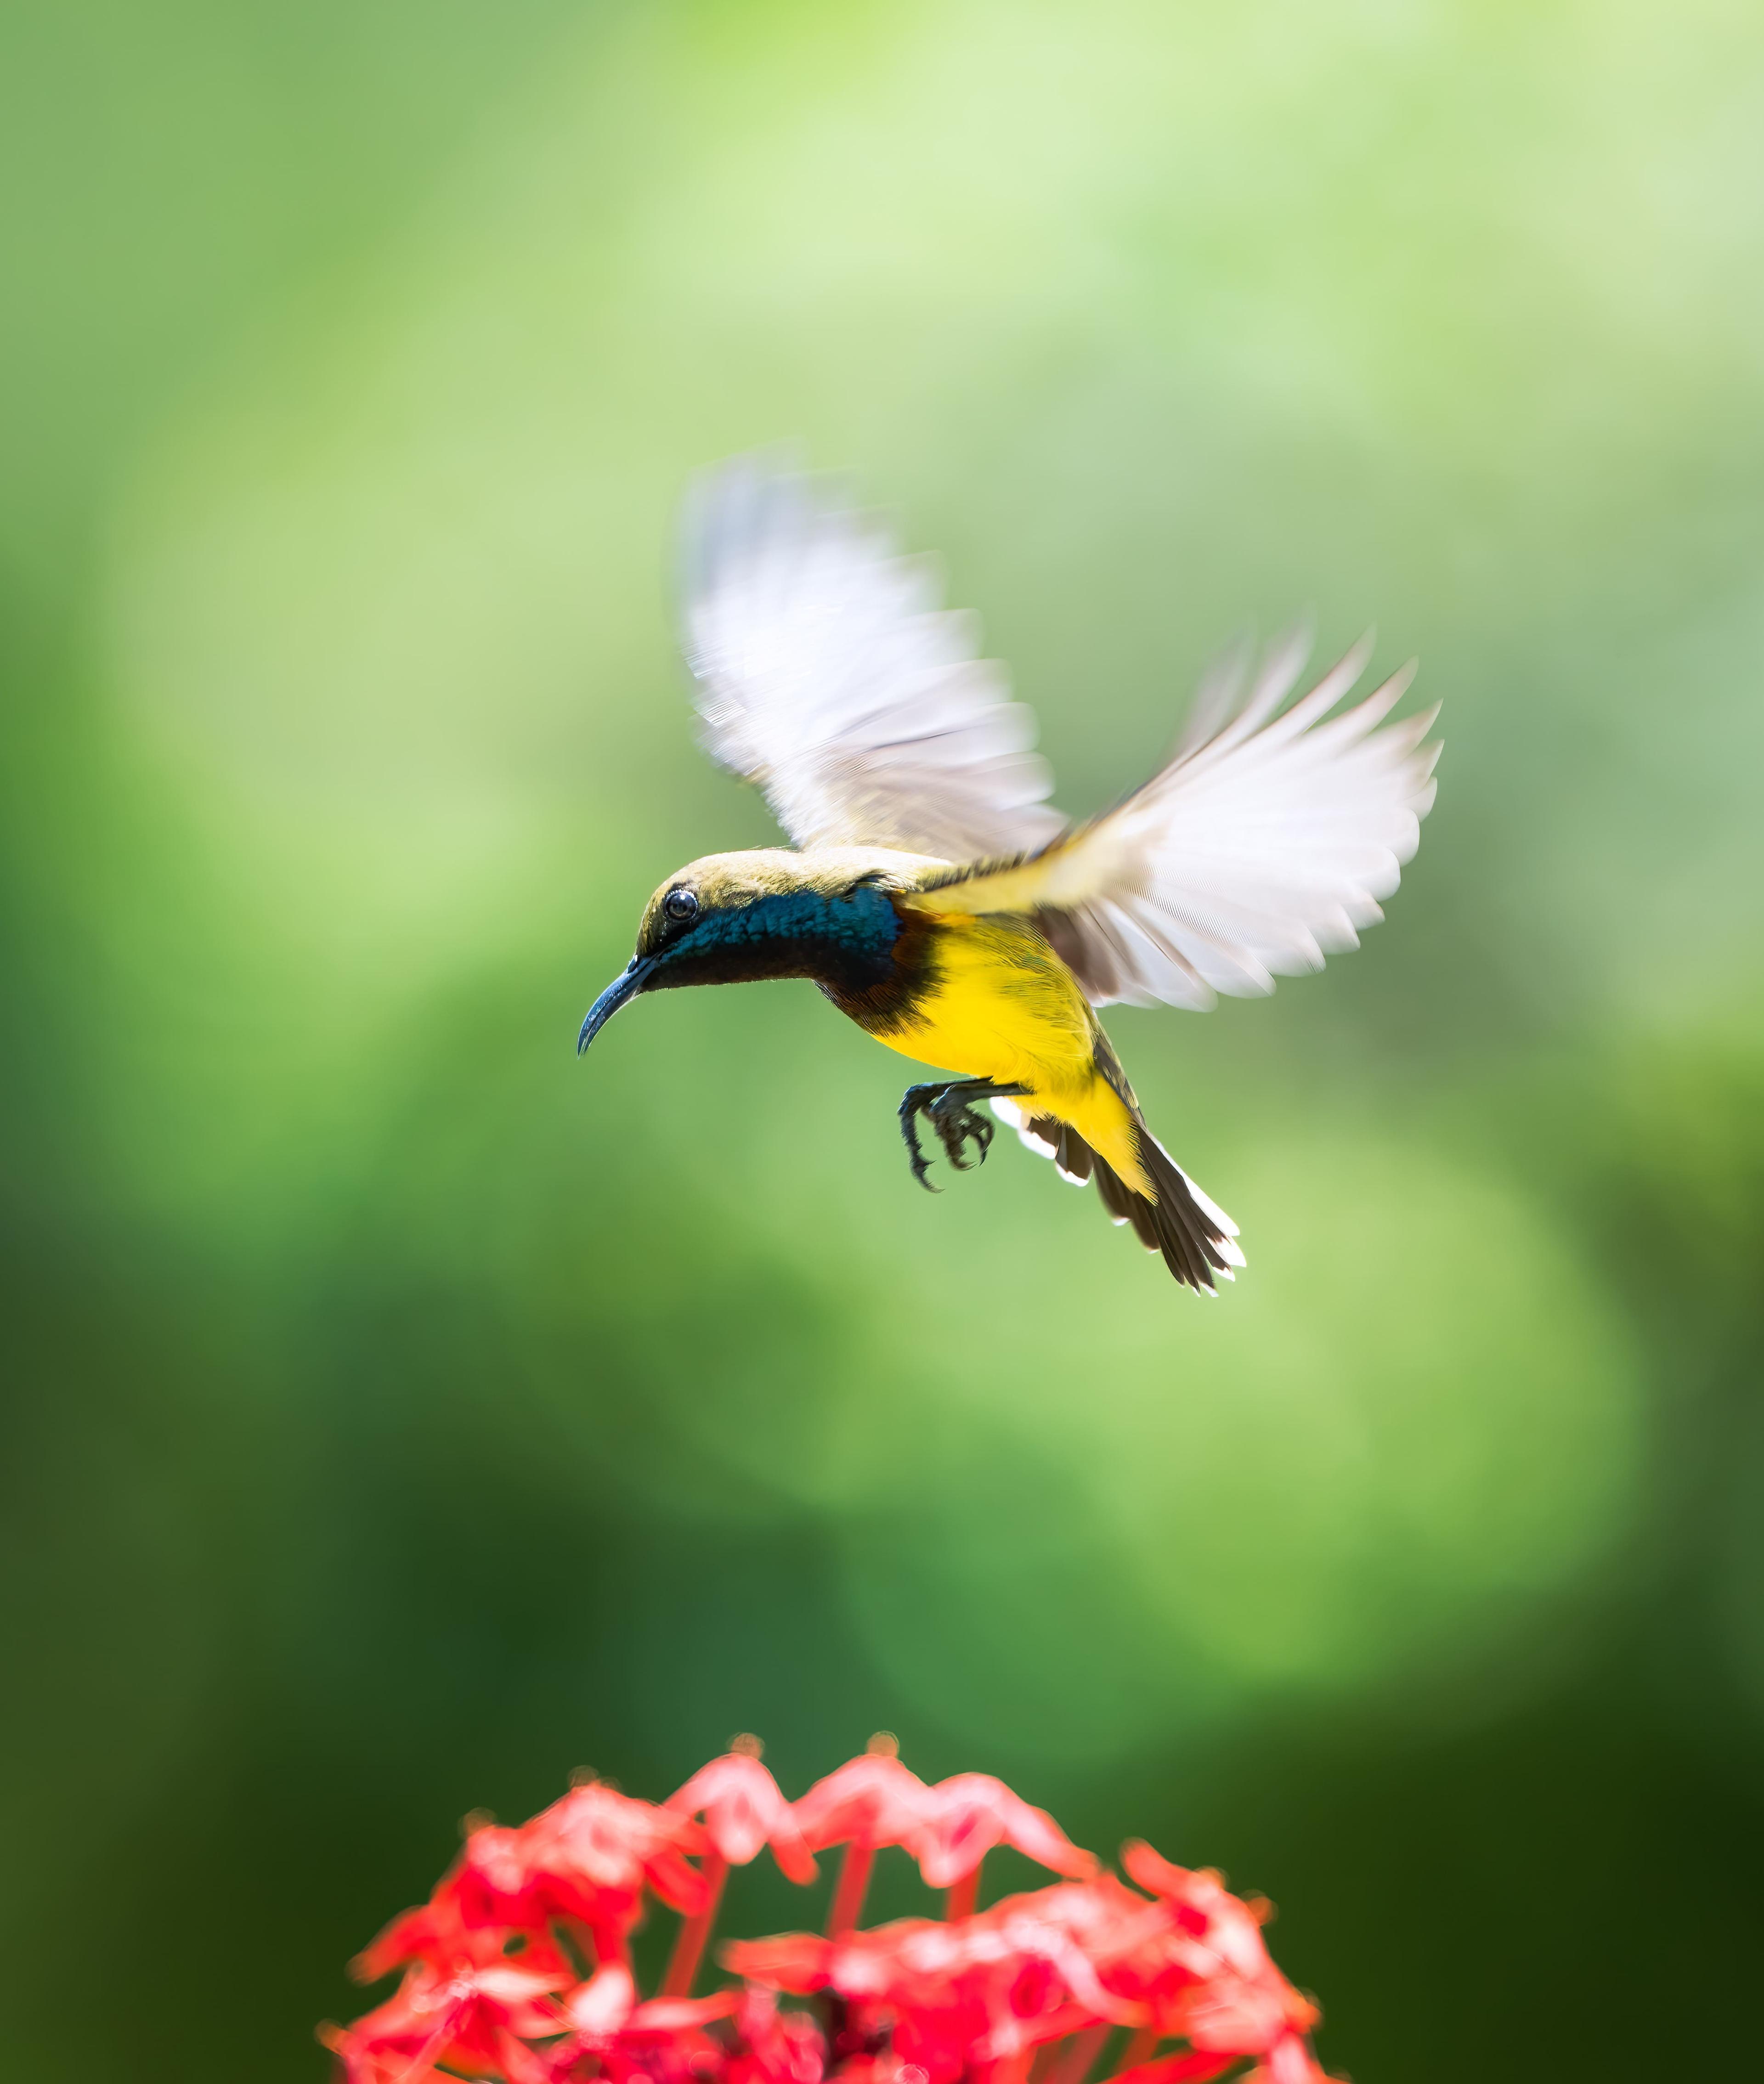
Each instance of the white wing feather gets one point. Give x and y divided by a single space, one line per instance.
1264 845
828 675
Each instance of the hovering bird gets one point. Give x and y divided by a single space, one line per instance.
937 899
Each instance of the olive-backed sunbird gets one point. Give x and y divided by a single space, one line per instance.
939 900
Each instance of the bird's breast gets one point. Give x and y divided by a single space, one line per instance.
987 997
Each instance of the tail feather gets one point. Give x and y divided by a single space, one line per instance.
1197 1238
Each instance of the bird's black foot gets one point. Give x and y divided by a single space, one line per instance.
958 1124
949 1111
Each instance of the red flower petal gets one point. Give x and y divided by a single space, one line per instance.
743 1810
603 2004
869 1802
600 1848
964 1817
672 2014
1289 2061
796 1961
1194 2068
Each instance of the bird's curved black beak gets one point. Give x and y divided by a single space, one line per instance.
617 993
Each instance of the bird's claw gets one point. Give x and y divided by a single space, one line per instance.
957 1123
910 1106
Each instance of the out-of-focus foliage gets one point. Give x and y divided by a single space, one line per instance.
399 1413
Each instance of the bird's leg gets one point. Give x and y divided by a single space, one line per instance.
949 1108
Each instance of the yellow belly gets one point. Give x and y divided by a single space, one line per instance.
1002 1005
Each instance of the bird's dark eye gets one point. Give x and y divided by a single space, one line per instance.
680 904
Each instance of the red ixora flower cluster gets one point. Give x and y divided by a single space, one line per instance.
519 1967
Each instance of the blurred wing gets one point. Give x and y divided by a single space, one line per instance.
828 674
1264 846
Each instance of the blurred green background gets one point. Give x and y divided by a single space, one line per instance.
399 1414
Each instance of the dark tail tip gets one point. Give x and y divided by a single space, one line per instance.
1197 1240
